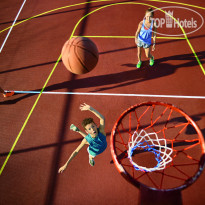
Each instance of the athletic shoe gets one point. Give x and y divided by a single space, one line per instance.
74 128
139 64
91 162
151 61
8 94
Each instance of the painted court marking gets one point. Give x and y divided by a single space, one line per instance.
2 46
135 3
41 92
110 94
159 37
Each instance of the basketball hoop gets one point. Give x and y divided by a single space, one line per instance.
151 143
169 135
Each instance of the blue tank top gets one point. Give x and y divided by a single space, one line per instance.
96 145
145 35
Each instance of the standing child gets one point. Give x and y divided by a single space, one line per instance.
95 137
143 37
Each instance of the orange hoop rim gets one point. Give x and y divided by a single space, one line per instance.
127 176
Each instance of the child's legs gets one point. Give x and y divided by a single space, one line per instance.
139 52
91 160
90 156
148 52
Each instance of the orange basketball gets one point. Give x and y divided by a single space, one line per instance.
80 55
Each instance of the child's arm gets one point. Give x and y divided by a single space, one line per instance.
75 129
84 141
154 36
138 31
100 116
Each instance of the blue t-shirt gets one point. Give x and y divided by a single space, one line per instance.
145 35
96 145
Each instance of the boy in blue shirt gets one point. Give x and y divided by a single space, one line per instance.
95 137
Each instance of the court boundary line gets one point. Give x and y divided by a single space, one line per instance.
35 103
29 115
4 42
110 94
50 11
160 37
136 3
121 3
82 3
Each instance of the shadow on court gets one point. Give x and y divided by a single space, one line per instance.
28 67
52 14
130 77
148 197
51 189
201 56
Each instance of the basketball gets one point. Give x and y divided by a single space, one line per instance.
80 55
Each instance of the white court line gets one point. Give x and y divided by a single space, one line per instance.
111 94
12 26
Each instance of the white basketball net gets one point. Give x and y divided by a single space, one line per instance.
150 142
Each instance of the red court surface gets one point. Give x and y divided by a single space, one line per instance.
35 140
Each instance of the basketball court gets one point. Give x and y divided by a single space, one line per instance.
35 139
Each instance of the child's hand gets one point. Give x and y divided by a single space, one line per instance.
74 128
62 169
84 107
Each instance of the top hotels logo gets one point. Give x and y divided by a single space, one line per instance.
170 20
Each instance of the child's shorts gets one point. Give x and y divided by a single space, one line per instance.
142 44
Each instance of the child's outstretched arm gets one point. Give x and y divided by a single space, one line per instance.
99 115
75 129
154 36
84 141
